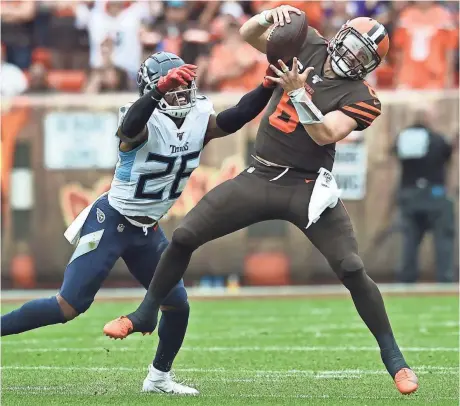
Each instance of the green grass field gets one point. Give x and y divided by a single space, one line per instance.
241 352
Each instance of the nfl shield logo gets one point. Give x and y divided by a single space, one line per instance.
100 215
120 228
316 79
180 136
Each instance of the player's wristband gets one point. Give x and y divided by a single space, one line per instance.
262 19
306 110
155 94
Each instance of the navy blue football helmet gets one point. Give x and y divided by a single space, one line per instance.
176 103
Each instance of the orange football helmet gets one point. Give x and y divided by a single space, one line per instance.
358 48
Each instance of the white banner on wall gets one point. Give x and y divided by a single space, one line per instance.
350 166
80 140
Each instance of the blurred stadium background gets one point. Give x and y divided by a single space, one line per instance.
68 65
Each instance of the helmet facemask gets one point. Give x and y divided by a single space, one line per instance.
353 55
177 103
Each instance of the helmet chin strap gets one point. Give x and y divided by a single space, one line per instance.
337 70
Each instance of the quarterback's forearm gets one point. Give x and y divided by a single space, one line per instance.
335 127
255 34
134 123
319 133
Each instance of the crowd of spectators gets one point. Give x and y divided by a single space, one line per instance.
97 46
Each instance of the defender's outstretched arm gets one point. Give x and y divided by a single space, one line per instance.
234 118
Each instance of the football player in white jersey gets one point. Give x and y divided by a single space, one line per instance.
161 137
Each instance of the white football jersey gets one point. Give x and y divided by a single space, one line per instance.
150 178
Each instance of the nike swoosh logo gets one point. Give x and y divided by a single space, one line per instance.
309 180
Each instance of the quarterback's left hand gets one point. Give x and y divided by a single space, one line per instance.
289 80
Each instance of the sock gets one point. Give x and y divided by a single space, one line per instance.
172 266
173 325
369 304
33 314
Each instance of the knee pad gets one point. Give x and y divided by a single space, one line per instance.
184 238
349 266
177 300
352 263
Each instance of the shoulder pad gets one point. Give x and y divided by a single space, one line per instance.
122 112
204 105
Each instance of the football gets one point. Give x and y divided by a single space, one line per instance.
285 42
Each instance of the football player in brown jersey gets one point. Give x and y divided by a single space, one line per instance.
311 109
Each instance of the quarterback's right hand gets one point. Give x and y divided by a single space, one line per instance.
176 77
280 15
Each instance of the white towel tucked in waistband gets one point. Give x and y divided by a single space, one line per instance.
325 194
72 234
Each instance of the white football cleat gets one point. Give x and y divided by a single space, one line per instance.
162 382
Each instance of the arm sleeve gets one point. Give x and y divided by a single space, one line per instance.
364 112
135 119
248 108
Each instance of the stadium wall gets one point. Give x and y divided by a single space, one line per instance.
70 152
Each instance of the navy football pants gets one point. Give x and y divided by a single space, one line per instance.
105 237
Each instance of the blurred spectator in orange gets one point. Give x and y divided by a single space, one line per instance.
234 65
425 40
14 81
313 9
17 29
108 77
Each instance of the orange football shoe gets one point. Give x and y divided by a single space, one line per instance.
120 328
406 381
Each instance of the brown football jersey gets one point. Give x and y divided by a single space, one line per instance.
283 140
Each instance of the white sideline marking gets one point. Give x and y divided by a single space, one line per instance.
421 369
72 390
240 349
302 396
246 291
318 330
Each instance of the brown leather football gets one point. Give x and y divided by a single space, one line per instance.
285 42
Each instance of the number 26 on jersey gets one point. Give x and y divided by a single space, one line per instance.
169 161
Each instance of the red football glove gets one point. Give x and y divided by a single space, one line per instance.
176 77
266 82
